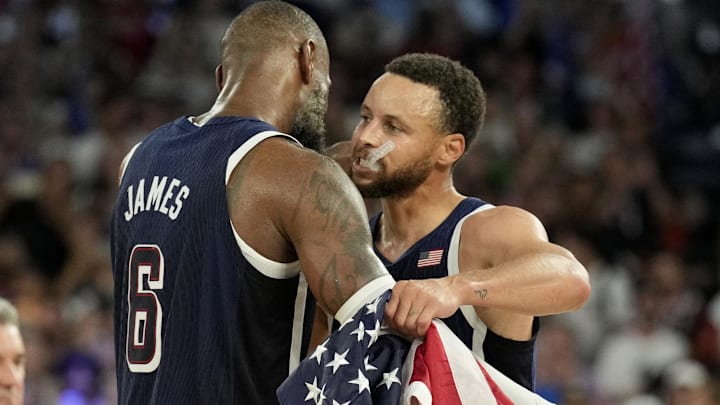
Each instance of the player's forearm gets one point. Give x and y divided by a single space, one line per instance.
538 284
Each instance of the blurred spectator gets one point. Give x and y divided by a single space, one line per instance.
610 307
562 376
631 359
687 382
81 375
12 356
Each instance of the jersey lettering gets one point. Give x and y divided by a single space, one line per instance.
144 340
159 199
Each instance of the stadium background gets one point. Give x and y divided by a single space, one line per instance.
603 120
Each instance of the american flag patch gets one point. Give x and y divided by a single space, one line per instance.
430 258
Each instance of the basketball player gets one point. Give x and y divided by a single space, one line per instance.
495 261
12 356
224 220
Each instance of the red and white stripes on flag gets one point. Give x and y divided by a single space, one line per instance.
364 363
441 370
430 258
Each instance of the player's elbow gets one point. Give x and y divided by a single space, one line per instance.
577 285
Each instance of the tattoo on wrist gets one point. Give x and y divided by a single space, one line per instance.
482 293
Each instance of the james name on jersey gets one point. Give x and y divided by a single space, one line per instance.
160 197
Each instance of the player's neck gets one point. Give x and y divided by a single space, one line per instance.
412 217
239 98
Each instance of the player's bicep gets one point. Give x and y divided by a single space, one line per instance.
329 229
500 234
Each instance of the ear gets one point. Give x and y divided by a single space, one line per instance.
219 77
307 60
453 147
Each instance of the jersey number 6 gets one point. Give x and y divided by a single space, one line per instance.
144 341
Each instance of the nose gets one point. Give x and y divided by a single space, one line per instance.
10 374
368 133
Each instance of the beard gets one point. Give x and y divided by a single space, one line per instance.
309 124
399 185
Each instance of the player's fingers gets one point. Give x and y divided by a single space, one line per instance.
422 323
417 321
393 302
400 307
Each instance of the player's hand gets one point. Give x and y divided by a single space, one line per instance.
414 304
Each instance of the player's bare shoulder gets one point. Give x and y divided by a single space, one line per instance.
287 178
502 226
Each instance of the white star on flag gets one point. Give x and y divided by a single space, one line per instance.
338 360
390 378
314 392
373 333
372 307
317 354
361 381
360 332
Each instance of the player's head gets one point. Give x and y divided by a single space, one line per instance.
12 356
267 32
431 108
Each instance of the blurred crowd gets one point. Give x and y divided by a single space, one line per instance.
603 120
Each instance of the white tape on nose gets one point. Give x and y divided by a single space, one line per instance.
376 154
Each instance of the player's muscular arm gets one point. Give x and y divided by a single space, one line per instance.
329 229
290 203
507 267
506 262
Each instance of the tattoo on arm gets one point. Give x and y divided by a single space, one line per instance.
482 293
329 200
348 268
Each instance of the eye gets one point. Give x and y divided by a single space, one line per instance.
365 118
19 361
390 127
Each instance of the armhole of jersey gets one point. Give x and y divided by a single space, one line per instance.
270 268
126 159
296 354
453 266
240 152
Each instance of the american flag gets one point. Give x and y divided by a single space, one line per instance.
430 258
363 363
358 364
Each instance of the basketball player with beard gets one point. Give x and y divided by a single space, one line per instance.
223 220
495 261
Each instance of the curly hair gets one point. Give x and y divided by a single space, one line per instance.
461 94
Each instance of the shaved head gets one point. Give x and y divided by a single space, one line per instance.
265 44
267 25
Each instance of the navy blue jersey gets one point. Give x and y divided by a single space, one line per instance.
436 255
200 317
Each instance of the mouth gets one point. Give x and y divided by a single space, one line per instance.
371 159
363 166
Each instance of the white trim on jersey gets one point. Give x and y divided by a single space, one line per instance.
270 268
298 322
240 152
126 160
453 267
364 295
